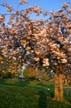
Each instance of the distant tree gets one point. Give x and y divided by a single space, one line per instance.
8 68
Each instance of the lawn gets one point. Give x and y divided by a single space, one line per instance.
30 94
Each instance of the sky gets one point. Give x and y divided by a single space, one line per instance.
44 4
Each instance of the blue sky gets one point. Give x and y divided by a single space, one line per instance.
44 4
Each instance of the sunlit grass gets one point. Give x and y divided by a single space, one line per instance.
30 94
11 81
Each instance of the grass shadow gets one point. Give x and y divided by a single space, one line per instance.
14 82
42 100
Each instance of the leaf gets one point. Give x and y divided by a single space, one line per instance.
36 58
10 22
9 8
66 4
23 1
12 16
37 10
2 18
64 60
37 51
45 13
69 11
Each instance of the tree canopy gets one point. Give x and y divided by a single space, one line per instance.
37 42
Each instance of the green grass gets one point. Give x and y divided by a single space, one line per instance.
30 94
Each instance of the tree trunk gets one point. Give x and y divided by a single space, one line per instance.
58 92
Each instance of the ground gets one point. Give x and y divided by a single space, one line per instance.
30 94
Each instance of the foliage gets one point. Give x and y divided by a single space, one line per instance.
30 72
39 42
